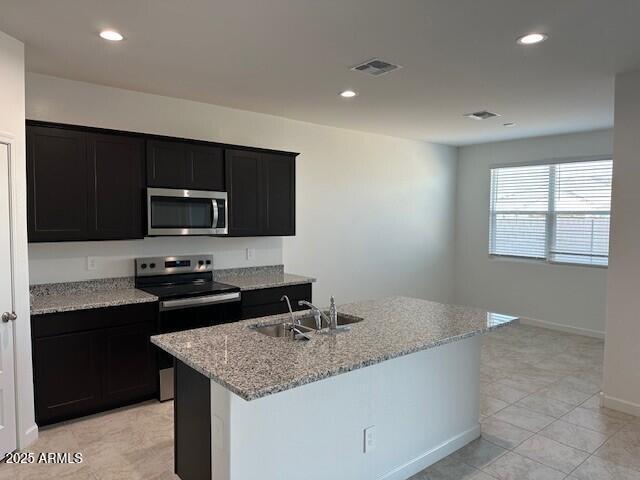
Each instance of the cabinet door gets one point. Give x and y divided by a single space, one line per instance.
58 184
245 190
166 164
279 177
116 163
129 369
66 371
205 168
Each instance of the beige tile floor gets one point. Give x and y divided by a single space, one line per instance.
540 414
541 420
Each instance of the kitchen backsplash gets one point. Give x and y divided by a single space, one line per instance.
75 261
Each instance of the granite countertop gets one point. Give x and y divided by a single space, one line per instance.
253 365
254 278
66 297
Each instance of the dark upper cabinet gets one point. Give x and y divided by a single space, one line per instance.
58 184
279 173
89 184
117 164
261 189
184 165
245 192
83 186
205 168
166 164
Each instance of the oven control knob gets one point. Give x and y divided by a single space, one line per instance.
208 262
152 265
200 262
143 266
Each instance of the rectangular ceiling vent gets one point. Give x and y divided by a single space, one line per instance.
483 115
375 67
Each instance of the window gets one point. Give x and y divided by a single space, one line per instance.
554 212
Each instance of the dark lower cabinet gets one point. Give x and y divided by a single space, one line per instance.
88 361
66 375
266 301
129 363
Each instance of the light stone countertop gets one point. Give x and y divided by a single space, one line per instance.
83 301
253 365
265 280
254 278
86 294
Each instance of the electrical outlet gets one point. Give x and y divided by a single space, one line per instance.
251 253
369 439
91 263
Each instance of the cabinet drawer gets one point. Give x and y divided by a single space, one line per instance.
272 295
83 320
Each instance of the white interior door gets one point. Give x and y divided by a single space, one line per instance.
7 379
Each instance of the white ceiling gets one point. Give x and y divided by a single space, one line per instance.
292 57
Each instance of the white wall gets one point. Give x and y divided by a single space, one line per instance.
424 406
12 125
374 213
571 296
621 366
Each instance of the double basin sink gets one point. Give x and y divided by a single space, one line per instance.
307 323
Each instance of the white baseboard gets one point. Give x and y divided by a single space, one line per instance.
562 328
621 405
28 437
432 456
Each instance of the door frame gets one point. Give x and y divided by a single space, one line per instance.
26 428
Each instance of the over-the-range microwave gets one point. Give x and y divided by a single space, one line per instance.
186 212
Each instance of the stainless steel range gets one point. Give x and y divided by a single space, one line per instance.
188 298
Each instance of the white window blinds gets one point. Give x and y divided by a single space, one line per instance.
555 212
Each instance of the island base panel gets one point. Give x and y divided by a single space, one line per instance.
192 425
424 406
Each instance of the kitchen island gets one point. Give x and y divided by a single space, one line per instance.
249 406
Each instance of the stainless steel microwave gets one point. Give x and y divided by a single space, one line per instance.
186 212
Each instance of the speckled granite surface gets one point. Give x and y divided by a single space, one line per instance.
253 278
253 365
69 296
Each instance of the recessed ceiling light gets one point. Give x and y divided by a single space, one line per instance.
509 124
532 38
111 35
348 94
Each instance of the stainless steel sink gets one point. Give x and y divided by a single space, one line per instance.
343 319
282 330
307 324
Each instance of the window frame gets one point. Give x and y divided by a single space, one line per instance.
549 213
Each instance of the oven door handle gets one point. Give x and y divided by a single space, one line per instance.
199 301
214 210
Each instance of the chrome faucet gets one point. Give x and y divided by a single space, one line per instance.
293 319
331 320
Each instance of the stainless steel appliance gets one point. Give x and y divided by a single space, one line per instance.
172 211
188 298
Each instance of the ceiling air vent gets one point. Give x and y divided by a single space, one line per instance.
375 67
483 115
